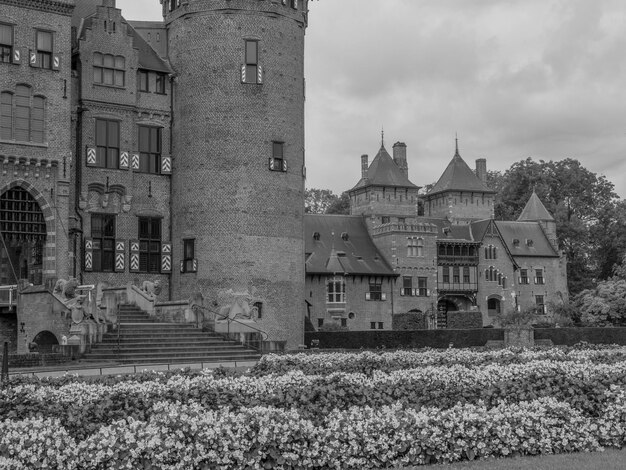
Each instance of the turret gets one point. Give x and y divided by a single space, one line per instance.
238 138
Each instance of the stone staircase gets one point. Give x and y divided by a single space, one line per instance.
143 340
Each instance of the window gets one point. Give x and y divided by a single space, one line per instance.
44 49
149 244
189 253
174 4
6 43
401 220
422 286
372 325
149 149
539 276
384 219
466 274
103 234
336 290
320 322
277 162
523 276
376 290
541 308
107 143
344 322
6 116
490 252
407 285
380 325
143 79
22 116
446 274
415 247
252 62
160 83
456 275
493 306
294 4
109 69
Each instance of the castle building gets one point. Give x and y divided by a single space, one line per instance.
399 253
167 151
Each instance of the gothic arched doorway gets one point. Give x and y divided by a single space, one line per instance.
45 340
23 235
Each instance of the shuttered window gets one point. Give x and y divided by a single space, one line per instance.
107 143
6 43
44 49
103 236
149 149
22 116
149 244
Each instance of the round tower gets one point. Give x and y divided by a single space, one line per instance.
238 160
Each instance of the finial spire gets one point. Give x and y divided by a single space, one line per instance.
456 142
382 136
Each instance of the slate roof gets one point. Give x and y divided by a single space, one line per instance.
355 255
524 231
534 210
383 171
458 176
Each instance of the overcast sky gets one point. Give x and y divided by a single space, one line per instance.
514 78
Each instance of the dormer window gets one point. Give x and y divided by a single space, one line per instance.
516 242
529 243
344 236
316 236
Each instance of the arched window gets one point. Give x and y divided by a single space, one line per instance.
22 116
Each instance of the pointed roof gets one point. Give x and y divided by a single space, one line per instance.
341 244
383 171
534 210
458 176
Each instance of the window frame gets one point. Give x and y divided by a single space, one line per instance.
150 159
422 286
466 275
523 276
540 303
375 290
539 277
23 116
104 157
189 254
251 63
277 161
334 295
143 81
44 57
407 285
116 70
7 49
160 85
103 243
150 245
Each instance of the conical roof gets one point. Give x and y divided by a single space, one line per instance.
384 172
458 176
534 210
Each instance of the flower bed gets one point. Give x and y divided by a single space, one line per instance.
457 405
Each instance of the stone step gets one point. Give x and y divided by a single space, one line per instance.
173 360
166 355
167 349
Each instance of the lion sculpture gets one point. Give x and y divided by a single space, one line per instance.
66 288
152 288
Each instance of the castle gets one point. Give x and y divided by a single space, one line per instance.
165 151
405 261
173 151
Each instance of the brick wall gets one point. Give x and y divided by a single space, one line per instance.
39 167
460 206
247 221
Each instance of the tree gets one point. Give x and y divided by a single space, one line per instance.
341 205
317 201
581 203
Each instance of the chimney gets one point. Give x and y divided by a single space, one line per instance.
364 166
481 169
399 157
108 3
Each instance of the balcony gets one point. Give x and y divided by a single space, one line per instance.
457 260
457 287
397 227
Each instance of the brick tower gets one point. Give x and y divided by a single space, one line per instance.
238 147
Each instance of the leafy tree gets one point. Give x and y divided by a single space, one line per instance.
580 201
341 205
317 201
